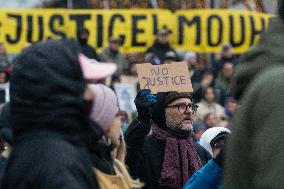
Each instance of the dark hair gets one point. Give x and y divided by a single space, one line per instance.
7 75
206 89
207 72
281 9
232 100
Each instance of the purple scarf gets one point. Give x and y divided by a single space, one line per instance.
180 161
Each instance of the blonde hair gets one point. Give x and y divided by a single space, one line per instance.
121 150
120 155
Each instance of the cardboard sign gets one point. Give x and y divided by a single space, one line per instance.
165 77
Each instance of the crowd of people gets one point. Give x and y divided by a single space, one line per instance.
62 82
61 125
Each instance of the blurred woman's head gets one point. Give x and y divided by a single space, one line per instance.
105 111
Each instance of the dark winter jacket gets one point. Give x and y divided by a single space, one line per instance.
49 120
5 134
255 149
5 124
160 50
145 155
87 50
3 163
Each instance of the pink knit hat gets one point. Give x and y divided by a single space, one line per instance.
105 105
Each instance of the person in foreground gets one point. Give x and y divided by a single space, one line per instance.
49 120
256 161
168 156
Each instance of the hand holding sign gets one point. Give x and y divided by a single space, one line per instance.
164 78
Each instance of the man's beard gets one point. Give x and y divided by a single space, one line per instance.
176 124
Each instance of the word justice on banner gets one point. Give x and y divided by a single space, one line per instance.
203 31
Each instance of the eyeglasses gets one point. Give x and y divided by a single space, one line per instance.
182 108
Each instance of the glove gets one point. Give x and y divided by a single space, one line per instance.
143 101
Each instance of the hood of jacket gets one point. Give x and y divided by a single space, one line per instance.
268 52
47 88
209 135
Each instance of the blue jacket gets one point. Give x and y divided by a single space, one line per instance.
208 177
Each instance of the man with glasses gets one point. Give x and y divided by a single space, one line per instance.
161 150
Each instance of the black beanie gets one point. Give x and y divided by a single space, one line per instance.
163 99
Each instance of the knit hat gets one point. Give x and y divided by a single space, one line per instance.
105 105
163 99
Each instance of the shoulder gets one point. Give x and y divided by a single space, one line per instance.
266 88
200 104
53 154
272 76
105 51
219 106
51 162
153 146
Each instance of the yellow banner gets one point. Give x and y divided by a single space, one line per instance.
193 30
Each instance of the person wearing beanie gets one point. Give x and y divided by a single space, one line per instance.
105 105
254 158
168 154
108 153
89 51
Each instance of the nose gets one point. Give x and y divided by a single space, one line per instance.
188 110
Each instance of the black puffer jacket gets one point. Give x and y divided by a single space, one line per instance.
49 121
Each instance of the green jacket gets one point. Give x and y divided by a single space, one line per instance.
255 150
